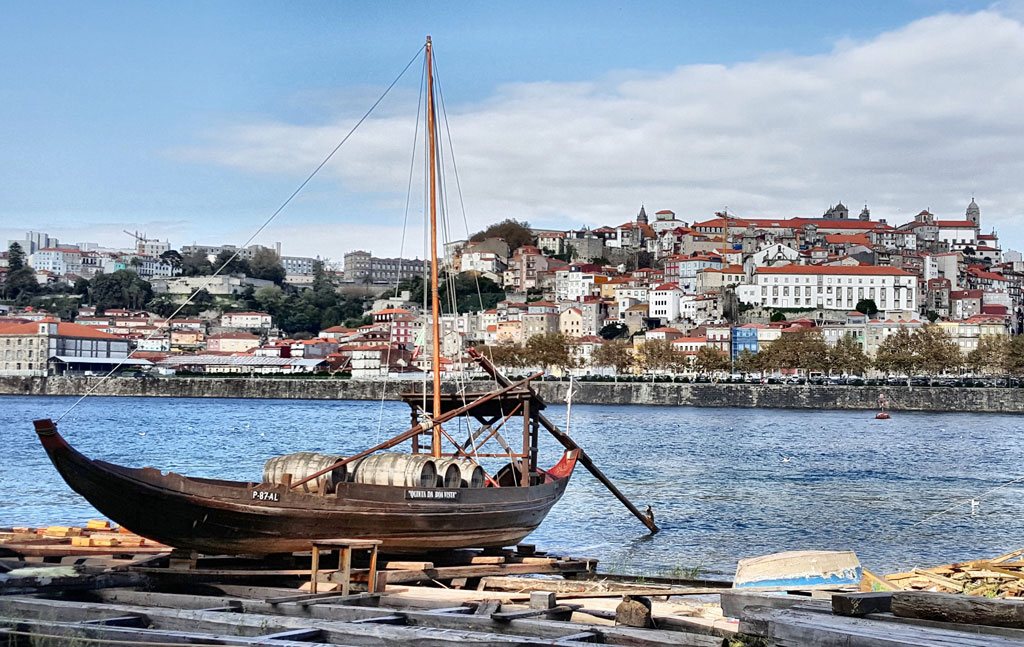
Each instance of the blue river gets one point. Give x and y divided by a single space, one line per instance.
724 483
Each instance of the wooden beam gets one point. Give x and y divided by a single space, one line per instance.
947 607
861 604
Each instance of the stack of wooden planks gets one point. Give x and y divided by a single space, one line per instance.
97 537
998 577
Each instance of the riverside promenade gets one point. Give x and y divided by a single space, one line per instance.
769 396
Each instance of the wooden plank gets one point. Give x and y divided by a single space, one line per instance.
793 627
394 619
547 629
132 620
334 598
870 582
50 632
952 585
1007 556
295 634
561 609
861 604
393 565
958 608
451 572
735 602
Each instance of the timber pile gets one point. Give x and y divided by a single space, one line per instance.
998 577
97 537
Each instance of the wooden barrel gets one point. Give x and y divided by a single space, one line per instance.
470 474
407 470
302 464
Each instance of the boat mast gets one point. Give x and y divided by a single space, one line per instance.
435 299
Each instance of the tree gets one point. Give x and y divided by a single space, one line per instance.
710 359
21 282
473 292
270 299
934 350
801 348
778 316
231 262
748 361
1013 357
896 353
122 289
505 355
989 356
659 355
514 233
266 264
196 264
552 350
847 357
616 354
868 307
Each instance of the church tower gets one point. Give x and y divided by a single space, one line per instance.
974 213
641 217
865 214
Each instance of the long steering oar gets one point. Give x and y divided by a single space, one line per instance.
569 443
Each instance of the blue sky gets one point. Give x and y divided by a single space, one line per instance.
150 115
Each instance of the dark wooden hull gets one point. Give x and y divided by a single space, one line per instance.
228 517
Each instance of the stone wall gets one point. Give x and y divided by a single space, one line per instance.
994 400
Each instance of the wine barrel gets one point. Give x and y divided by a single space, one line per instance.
470 474
407 470
302 464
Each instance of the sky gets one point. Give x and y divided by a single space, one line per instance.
194 121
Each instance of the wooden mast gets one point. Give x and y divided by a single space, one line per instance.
435 446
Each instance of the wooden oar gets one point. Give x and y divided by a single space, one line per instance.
569 443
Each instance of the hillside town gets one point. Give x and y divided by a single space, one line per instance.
830 295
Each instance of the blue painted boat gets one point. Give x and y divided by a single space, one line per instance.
799 570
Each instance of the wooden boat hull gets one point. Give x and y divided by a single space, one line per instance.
228 517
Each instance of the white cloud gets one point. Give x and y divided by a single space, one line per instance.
919 117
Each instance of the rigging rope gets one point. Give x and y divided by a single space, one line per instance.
401 253
248 241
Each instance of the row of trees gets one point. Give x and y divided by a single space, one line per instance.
927 350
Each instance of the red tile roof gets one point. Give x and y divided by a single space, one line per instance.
64 329
863 270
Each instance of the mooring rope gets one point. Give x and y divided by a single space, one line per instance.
266 223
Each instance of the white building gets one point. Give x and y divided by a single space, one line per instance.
246 320
836 287
59 261
665 302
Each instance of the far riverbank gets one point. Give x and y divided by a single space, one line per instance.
769 396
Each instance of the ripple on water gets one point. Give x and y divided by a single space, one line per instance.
724 483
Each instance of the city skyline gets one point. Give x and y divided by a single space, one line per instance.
177 123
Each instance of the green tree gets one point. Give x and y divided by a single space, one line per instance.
934 351
710 360
656 355
778 316
988 357
271 299
196 264
266 264
748 361
616 354
867 307
473 292
232 263
1013 357
802 348
504 355
20 284
122 289
896 353
847 357
514 233
552 351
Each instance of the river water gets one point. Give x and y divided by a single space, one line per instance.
724 483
